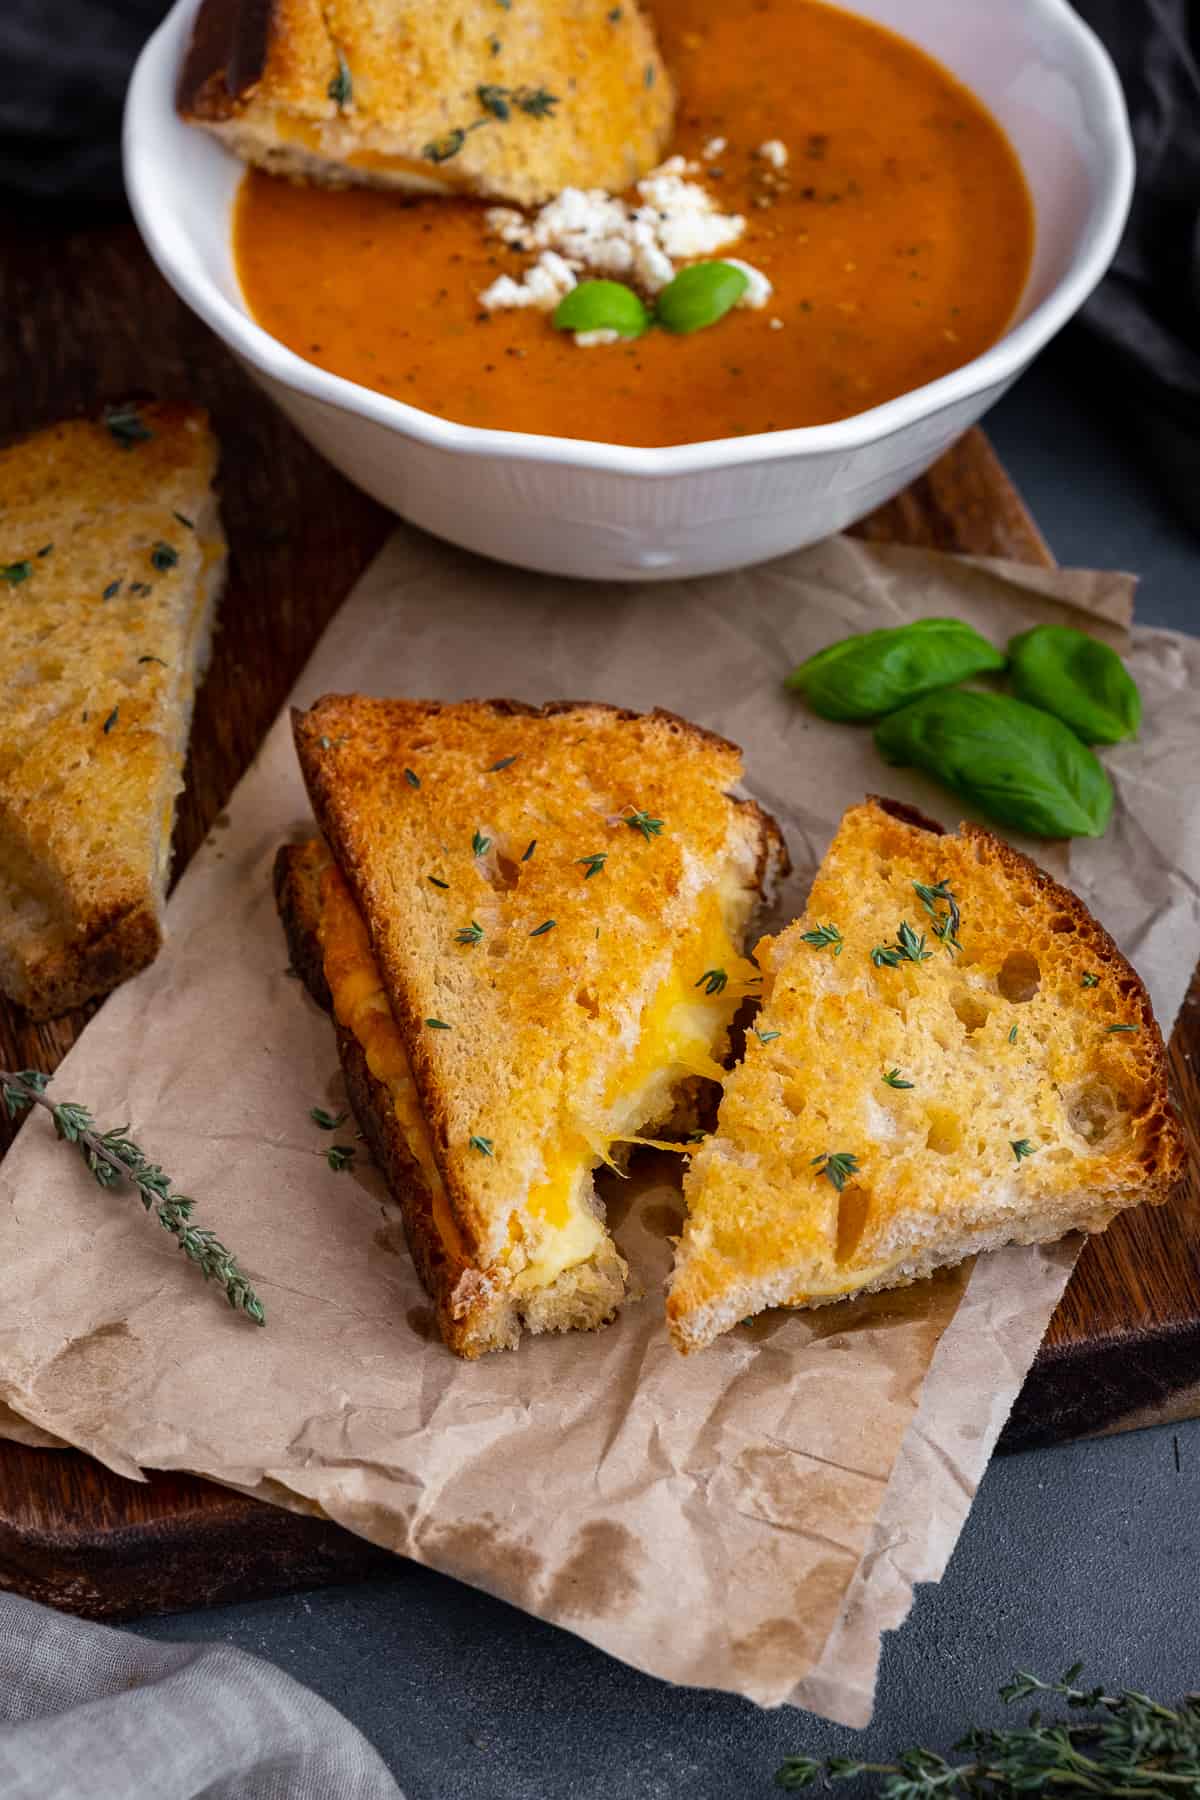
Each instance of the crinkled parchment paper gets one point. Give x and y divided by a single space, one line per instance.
751 1518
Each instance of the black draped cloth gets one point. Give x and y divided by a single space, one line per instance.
66 62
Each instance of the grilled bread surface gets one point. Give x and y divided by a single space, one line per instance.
1028 1093
358 90
112 557
542 981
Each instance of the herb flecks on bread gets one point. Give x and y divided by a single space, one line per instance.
111 560
904 1102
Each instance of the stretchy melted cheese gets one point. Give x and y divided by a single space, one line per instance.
680 1029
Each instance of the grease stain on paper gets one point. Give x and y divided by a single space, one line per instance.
481 1552
599 1579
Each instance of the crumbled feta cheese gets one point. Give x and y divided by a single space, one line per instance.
775 152
603 334
588 229
543 285
714 148
758 289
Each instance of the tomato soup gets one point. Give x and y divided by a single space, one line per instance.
897 237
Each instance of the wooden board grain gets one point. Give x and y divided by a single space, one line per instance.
84 318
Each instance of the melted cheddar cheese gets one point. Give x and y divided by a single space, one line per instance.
680 1025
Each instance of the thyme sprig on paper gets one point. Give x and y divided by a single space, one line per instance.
1136 1747
112 1156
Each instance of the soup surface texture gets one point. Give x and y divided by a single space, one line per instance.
898 237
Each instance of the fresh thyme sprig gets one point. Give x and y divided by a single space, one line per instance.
1089 980
470 934
894 1079
482 1144
593 864
823 935
1021 1148
1137 1747
907 948
838 1166
112 1156
339 1157
713 981
341 85
945 925
326 1120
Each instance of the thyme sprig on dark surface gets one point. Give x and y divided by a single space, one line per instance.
1135 1747
113 1157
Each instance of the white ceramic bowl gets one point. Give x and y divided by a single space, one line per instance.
611 512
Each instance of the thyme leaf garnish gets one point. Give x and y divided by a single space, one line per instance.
945 925
438 1025
907 948
543 928
1012 1036
482 1144
713 981
641 821
164 556
530 851
111 720
480 845
339 1157
593 864
506 762
1021 1147
437 881
113 588
766 1037
412 778
341 85
16 572
470 934
894 1079
126 426
837 1166
1110 1029
822 936
326 1120
1089 980
154 659
188 524
111 1157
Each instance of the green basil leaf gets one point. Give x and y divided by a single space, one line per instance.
1079 679
1014 762
875 672
700 295
602 306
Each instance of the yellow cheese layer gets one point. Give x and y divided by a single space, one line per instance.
680 1026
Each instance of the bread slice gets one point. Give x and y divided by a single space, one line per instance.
1009 1091
111 560
514 102
529 924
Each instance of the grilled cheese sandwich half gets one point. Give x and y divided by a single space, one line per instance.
112 558
951 1055
529 926
515 104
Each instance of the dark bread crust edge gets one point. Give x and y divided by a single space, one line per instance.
118 946
1167 1154
225 58
307 731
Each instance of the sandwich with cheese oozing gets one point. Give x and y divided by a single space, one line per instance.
951 1055
515 102
112 559
529 926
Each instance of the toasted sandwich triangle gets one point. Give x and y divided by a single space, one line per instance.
553 902
951 1055
111 561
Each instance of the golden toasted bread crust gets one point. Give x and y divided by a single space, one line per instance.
1030 1095
355 90
115 528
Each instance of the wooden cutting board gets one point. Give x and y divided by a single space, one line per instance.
84 319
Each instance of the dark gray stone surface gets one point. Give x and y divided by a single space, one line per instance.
1090 1551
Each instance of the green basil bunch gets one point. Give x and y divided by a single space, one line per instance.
873 673
1017 763
1079 679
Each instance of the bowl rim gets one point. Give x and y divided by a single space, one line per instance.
152 89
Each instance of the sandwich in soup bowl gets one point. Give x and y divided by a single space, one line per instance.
624 290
